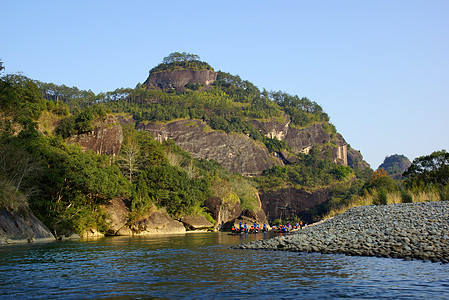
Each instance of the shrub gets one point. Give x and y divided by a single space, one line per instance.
406 196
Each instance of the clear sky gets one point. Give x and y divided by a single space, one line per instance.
380 69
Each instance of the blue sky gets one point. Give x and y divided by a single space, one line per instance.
380 69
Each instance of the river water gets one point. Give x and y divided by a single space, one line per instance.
202 266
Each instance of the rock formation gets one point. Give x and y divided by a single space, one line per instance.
223 211
23 227
158 222
177 79
105 138
302 140
288 202
236 152
196 223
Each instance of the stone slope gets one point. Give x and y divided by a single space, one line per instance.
236 152
20 228
105 138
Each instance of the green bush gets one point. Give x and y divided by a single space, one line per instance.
406 196
381 197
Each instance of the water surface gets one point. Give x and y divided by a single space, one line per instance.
201 266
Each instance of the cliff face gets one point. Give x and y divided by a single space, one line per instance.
302 140
355 160
106 138
177 79
289 202
236 152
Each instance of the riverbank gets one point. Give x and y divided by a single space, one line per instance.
408 231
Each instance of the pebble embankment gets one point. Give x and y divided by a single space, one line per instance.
408 231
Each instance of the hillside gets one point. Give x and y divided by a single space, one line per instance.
395 165
176 149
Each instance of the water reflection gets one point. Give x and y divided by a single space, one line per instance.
203 266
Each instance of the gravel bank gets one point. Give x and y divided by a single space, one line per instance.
408 231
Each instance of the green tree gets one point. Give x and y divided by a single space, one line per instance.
179 57
20 97
430 169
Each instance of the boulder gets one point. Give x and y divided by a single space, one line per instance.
91 233
196 223
117 216
158 222
223 211
22 227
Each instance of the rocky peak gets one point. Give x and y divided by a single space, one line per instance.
178 79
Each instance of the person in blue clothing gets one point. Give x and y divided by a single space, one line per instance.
245 228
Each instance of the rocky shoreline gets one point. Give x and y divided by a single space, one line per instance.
408 231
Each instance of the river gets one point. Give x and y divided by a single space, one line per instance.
202 266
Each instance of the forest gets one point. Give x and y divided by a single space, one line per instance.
65 187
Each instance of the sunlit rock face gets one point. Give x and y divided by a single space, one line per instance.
236 152
105 138
177 79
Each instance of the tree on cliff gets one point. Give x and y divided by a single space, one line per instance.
179 57
181 61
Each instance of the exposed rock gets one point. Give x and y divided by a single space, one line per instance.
177 79
126 119
355 160
223 211
117 213
289 202
196 223
236 152
91 233
157 223
69 236
302 140
106 138
24 227
247 216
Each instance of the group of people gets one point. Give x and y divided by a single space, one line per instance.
288 227
255 228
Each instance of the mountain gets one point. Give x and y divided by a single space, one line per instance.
189 141
395 165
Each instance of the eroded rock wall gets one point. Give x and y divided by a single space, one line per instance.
302 140
177 79
105 138
236 152
289 202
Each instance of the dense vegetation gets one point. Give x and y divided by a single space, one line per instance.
181 61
